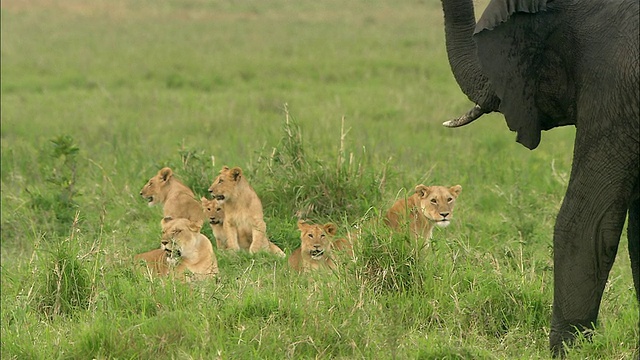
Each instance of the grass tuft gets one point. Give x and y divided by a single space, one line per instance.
304 185
64 286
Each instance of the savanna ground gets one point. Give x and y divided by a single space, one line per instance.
97 96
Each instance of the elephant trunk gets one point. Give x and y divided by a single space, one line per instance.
459 23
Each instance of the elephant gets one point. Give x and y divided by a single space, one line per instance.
550 63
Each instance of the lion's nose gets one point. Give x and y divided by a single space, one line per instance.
141 193
444 214
164 242
210 191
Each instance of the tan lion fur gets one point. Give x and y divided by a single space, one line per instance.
316 251
243 225
177 200
156 262
188 249
428 206
215 216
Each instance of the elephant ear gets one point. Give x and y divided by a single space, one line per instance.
510 52
499 11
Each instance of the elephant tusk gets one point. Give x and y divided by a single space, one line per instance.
465 119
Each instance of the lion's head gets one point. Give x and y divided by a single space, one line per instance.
213 211
156 189
224 185
316 239
437 202
179 236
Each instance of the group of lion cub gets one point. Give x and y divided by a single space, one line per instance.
235 215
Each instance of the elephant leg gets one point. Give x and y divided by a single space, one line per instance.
586 236
633 233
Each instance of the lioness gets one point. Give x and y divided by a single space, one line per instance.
243 225
429 205
188 248
177 199
156 261
316 248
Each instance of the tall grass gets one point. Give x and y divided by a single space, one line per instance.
333 109
306 185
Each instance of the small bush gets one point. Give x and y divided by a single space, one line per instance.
65 284
194 169
61 174
305 186
392 262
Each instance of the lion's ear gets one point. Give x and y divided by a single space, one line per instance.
165 220
301 224
236 173
331 228
422 190
165 173
224 168
195 226
203 199
455 190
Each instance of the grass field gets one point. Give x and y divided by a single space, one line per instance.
97 96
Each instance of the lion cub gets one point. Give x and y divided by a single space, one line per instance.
316 248
177 199
188 249
243 225
213 212
429 205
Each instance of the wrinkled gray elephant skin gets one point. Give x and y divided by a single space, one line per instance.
544 64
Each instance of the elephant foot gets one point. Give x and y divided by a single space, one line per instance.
564 336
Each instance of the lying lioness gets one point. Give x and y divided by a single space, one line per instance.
429 205
188 248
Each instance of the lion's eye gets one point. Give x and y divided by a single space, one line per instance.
449 199
218 209
220 181
310 235
434 201
322 236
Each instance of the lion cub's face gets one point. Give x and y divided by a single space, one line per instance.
316 239
213 211
224 185
437 202
155 190
179 236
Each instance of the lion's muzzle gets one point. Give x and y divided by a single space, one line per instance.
316 253
172 253
443 223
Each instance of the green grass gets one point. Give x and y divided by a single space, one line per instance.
265 85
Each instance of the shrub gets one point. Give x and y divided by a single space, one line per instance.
300 184
64 283
61 175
